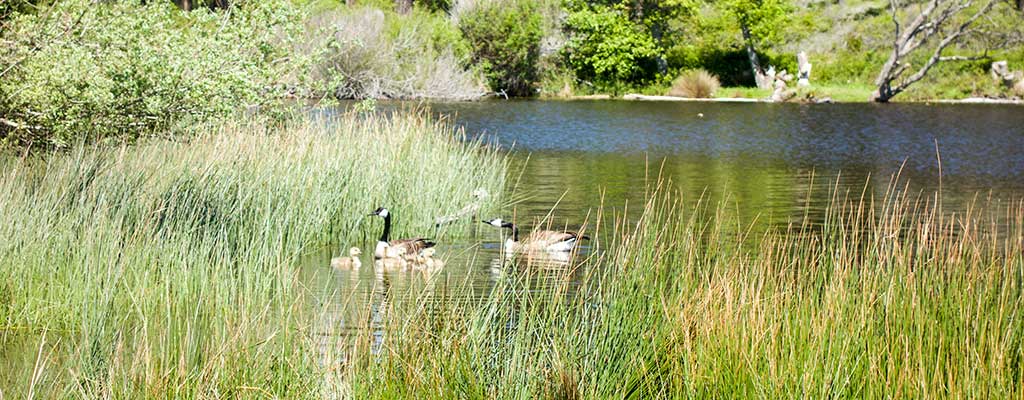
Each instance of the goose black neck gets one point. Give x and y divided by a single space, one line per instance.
387 228
515 232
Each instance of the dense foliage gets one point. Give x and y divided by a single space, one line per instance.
506 44
80 70
764 20
120 70
606 47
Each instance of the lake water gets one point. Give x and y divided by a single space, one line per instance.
769 162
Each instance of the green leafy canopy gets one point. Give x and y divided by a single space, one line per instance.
606 46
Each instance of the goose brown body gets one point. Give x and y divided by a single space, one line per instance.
546 240
399 247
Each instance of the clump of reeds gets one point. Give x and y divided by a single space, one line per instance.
697 83
887 296
169 269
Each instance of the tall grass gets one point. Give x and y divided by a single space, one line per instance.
887 297
698 84
168 269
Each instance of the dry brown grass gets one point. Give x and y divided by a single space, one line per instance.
696 83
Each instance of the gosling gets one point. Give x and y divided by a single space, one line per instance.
425 261
391 264
351 262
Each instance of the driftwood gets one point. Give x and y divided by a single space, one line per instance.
803 70
1001 74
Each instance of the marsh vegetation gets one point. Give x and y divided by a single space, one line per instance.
170 212
171 269
168 269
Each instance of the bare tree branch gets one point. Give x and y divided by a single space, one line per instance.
948 40
920 31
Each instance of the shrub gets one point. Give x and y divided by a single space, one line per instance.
506 44
695 84
10 8
415 56
605 46
119 70
730 65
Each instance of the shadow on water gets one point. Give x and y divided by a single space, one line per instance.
753 166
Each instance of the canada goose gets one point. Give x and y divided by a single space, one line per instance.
425 261
391 264
469 210
538 239
398 247
350 262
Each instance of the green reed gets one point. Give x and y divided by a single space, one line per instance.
168 269
885 296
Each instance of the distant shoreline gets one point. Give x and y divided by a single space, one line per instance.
641 97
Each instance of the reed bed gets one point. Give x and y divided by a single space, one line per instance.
168 269
882 296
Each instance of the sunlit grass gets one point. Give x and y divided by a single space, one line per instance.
168 269
886 297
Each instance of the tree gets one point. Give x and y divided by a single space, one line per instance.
654 16
937 27
760 22
607 47
505 39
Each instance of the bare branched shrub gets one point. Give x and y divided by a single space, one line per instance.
696 83
459 8
361 61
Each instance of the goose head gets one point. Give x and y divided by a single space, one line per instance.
480 194
355 252
380 212
498 223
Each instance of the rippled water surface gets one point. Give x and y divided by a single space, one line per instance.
768 163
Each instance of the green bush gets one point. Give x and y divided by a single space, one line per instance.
606 47
730 65
87 71
505 40
10 8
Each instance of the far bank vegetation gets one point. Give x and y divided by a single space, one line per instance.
695 84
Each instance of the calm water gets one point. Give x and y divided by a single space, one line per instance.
770 162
